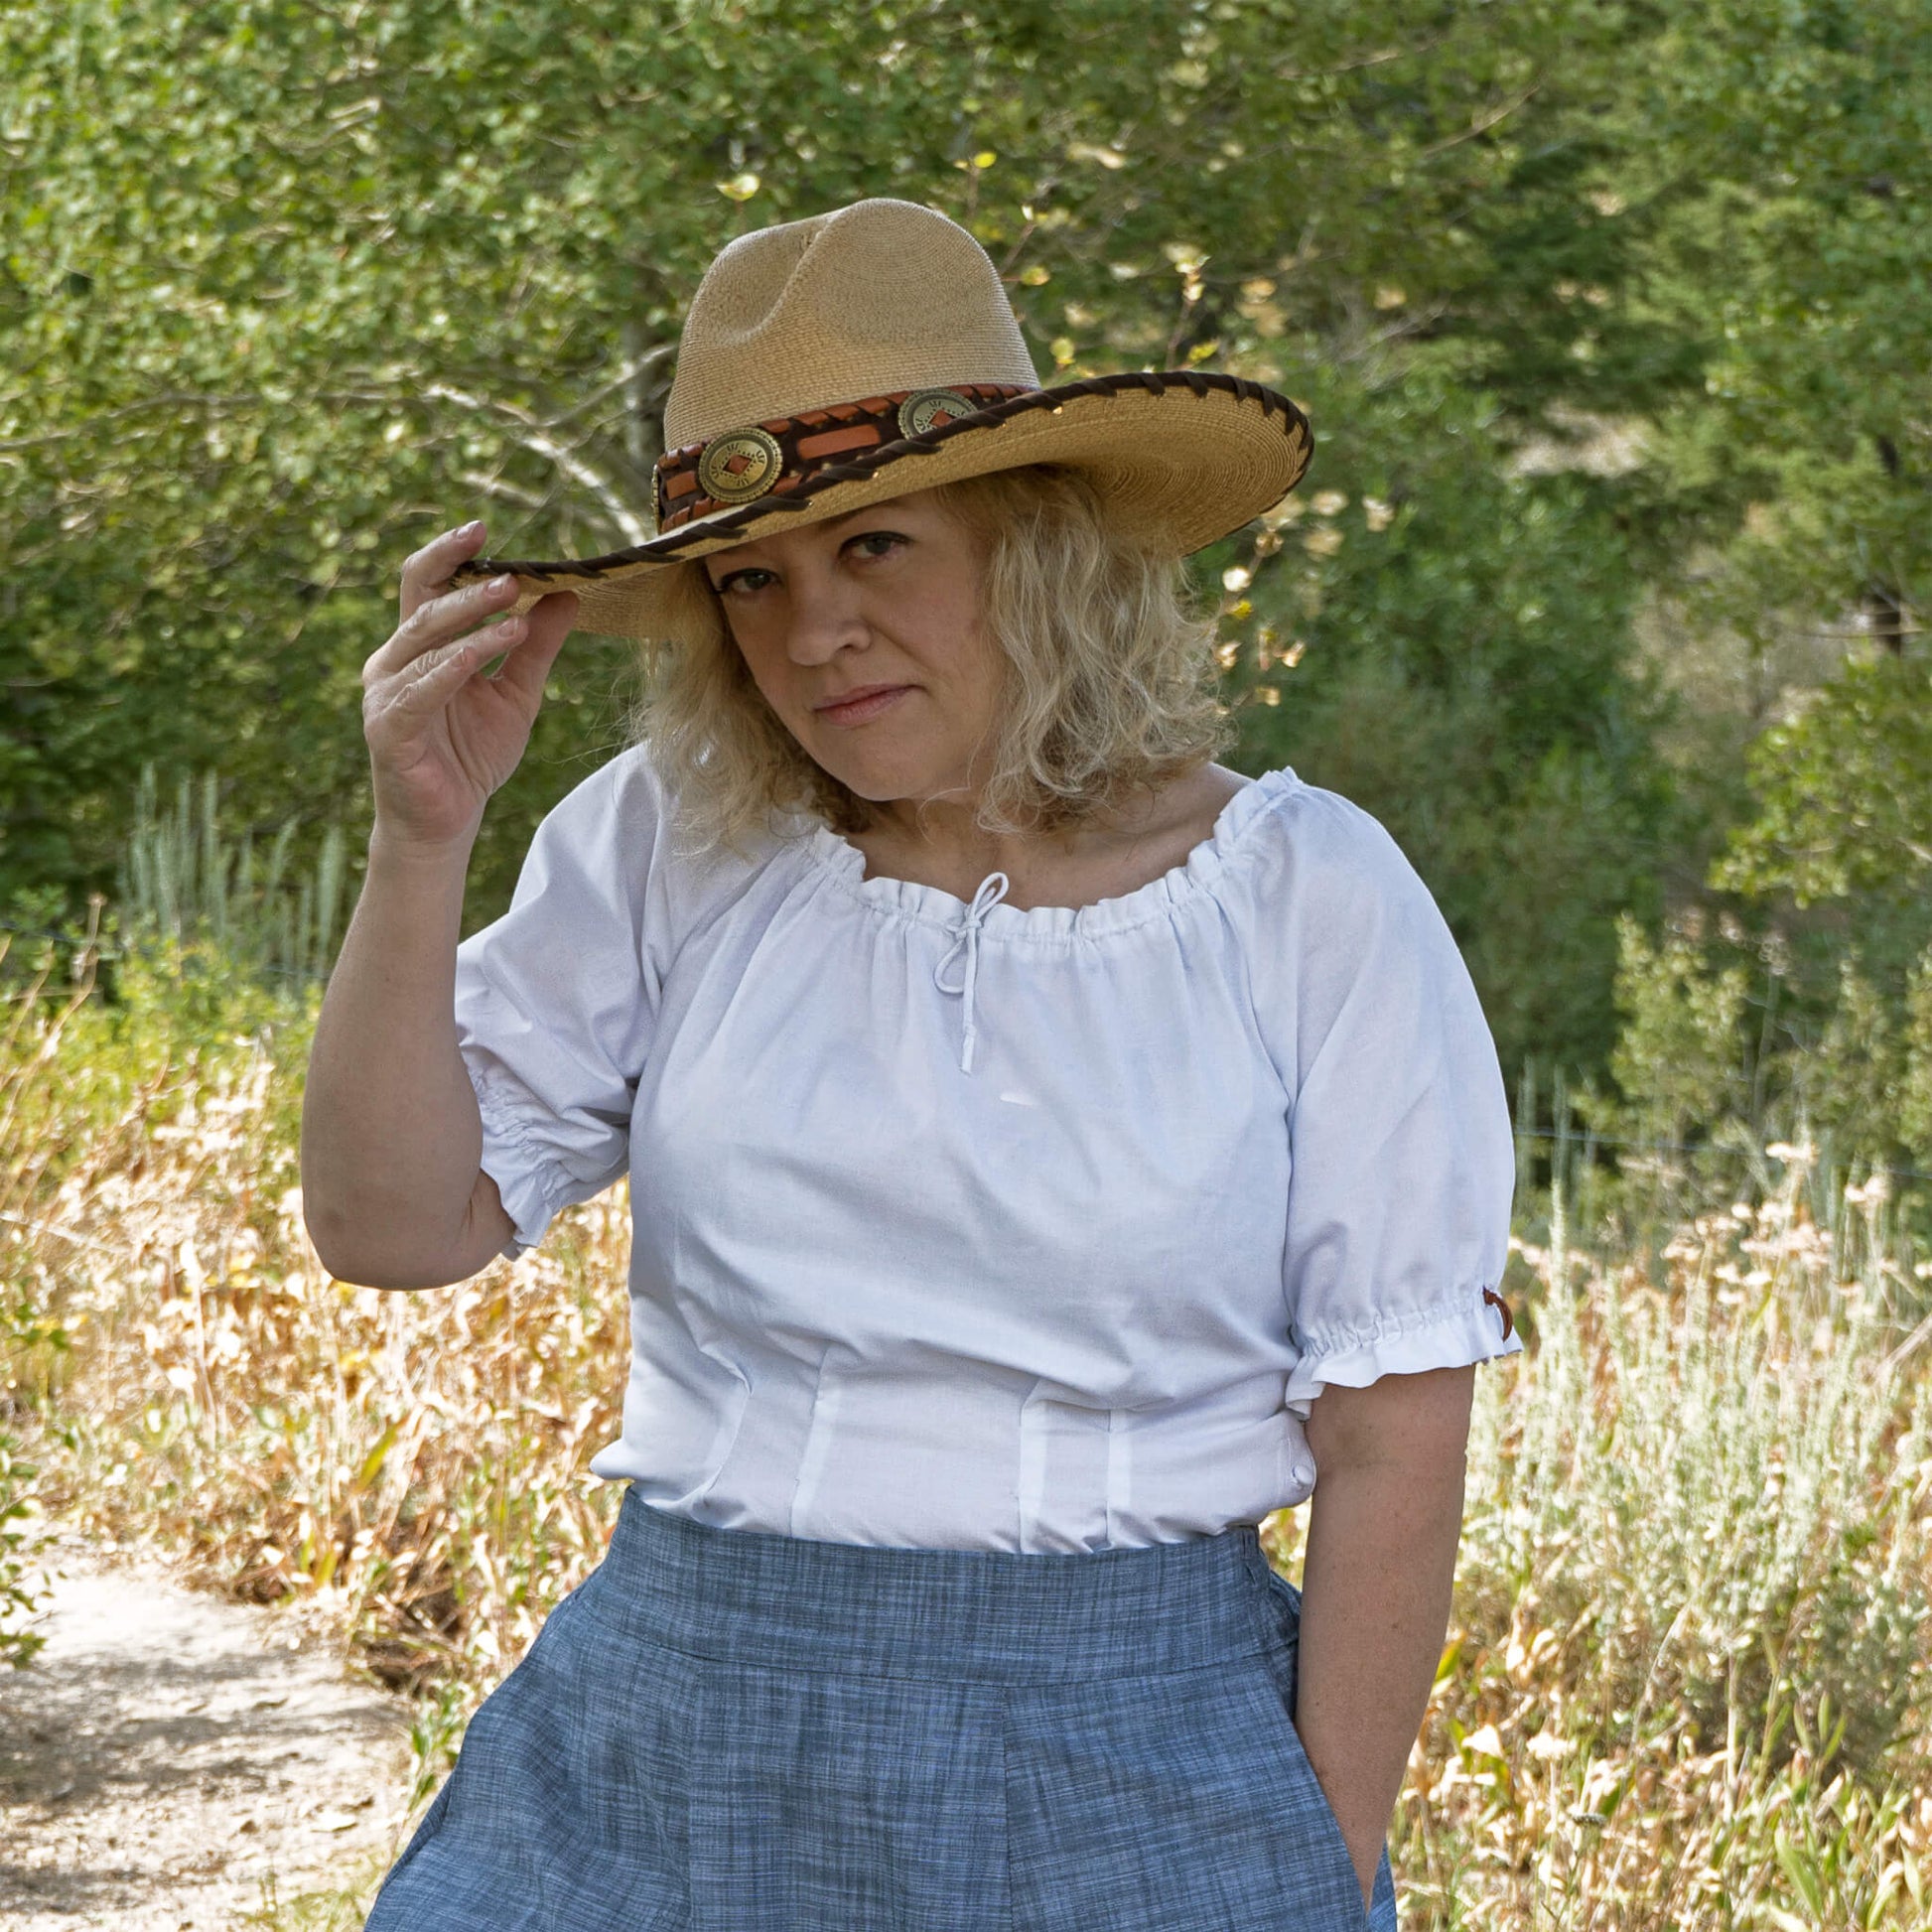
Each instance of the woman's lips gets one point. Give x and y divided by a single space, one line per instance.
856 711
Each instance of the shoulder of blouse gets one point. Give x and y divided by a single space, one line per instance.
623 825
1316 856
1336 914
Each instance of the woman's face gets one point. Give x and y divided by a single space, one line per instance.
885 602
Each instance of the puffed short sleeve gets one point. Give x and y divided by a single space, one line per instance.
556 1000
1401 1157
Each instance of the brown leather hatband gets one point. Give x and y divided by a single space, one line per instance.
778 457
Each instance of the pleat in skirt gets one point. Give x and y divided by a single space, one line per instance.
729 1731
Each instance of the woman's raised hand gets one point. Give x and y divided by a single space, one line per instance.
441 736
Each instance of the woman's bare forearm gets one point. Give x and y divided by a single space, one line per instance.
1383 1529
392 1185
391 1138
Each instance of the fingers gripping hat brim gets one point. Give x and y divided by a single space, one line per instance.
1182 457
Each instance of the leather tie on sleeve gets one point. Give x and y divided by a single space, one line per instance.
966 936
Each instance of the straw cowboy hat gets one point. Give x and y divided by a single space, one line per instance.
835 362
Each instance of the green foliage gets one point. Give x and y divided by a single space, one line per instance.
1915 1095
1836 869
1721 1051
1850 1086
285 333
263 339
1599 311
1845 791
1784 162
1600 306
1679 1058
1449 645
20 1594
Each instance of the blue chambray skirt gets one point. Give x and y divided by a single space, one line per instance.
730 1731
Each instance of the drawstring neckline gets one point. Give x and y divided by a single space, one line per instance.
966 936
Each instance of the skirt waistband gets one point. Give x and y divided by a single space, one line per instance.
788 1603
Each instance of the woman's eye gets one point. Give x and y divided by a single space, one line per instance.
871 543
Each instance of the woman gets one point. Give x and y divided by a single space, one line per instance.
1048 1149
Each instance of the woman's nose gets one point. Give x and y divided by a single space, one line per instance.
823 622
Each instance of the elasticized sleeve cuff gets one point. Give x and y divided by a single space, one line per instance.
514 1161
1460 1328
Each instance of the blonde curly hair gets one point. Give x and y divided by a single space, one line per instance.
1110 688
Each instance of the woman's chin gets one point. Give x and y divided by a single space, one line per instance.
874 775
875 788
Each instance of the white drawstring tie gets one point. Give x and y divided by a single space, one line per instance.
993 888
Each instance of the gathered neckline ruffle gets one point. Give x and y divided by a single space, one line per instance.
907 899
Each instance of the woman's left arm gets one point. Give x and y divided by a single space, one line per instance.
1385 1520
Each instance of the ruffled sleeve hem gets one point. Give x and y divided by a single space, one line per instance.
1462 1329
513 1160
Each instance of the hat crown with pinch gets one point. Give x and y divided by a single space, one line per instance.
872 299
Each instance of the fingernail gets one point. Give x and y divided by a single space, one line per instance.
471 529
501 583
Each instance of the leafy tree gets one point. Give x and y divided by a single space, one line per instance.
1915 1101
1796 144
1845 791
1449 645
288 286
1680 1060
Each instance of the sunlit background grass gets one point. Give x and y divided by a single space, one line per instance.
1687 1678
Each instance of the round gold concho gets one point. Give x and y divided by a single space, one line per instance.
926 407
739 465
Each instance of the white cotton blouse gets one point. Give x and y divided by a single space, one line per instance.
967 1226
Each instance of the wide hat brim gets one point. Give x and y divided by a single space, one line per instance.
1182 456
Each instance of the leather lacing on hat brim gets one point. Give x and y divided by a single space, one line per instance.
867 463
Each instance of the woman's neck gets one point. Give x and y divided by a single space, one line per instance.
1073 864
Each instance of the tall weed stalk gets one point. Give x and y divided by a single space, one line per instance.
183 880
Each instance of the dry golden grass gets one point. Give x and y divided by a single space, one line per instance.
1688 1676
1686 1681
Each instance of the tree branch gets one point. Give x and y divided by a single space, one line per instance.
629 372
495 487
533 436
1481 125
1380 57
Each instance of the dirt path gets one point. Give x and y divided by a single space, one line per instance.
168 1755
